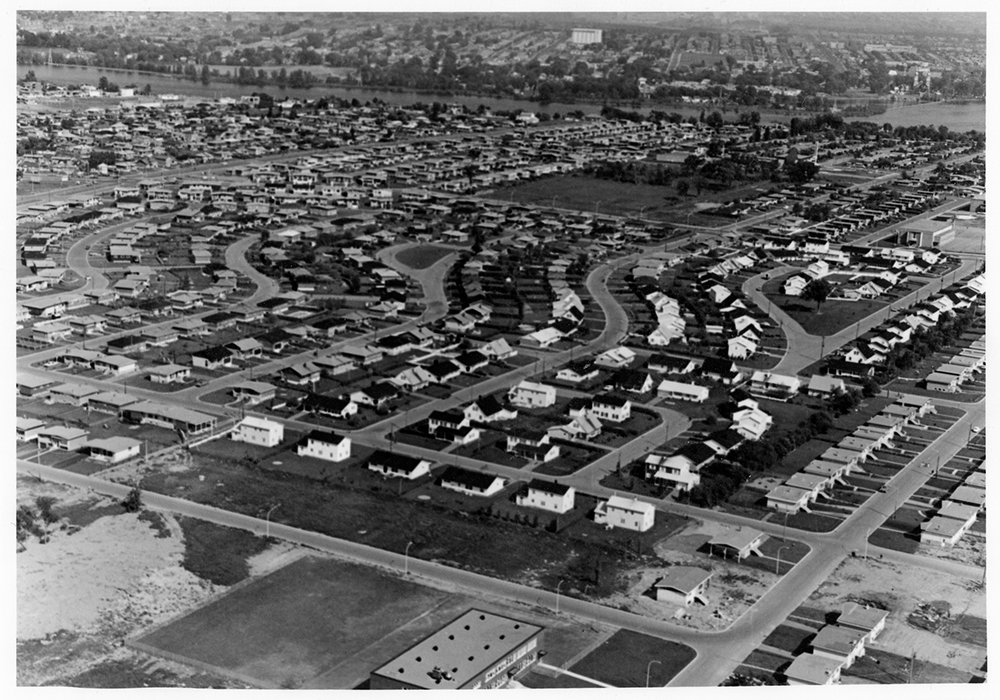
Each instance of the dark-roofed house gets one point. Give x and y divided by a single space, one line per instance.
444 370
547 495
376 395
212 358
632 380
336 406
472 360
325 445
470 482
611 407
681 469
721 370
488 409
402 466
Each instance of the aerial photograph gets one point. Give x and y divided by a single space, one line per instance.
500 349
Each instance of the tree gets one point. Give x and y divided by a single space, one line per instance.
870 388
817 290
132 503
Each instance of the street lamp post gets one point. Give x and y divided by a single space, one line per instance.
867 535
649 667
558 586
267 520
406 558
777 566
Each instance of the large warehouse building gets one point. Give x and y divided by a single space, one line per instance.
476 650
588 36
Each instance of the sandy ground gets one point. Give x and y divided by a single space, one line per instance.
84 591
731 592
901 590
971 550
114 570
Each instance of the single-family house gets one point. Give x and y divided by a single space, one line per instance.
628 513
325 445
683 585
547 495
259 431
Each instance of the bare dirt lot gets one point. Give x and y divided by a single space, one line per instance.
101 575
734 587
912 596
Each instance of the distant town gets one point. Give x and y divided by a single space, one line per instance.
685 387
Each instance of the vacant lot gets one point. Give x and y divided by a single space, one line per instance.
422 257
623 659
904 591
595 195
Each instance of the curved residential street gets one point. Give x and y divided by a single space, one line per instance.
718 652
803 348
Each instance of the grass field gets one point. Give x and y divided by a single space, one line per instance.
788 638
623 659
217 553
300 622
422 257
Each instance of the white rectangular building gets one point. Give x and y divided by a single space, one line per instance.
259 431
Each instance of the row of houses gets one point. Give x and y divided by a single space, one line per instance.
847 456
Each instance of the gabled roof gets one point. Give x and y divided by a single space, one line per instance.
468 478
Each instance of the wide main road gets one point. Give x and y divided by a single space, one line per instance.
718 652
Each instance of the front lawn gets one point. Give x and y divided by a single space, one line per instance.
624 659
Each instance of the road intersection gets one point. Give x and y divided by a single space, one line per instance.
730 645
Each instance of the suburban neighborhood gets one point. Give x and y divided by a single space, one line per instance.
451 374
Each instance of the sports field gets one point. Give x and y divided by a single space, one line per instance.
313 623
322 623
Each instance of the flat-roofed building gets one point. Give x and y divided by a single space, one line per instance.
788 499
870 621
169 374
28 429
475 650
739 544
177 418
114 449
841 644
683 585
813 669
62 437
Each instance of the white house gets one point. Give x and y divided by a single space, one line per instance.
532 395
471 483
609 407
259 431
628 513
325 445
113 450
547 495
669 389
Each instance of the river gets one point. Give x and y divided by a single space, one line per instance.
957 117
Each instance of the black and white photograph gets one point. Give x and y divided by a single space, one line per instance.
532 347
